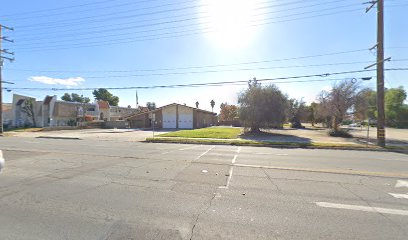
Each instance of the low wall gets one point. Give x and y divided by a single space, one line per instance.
116 124
60 128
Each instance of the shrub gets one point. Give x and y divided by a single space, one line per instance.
71 123
339 133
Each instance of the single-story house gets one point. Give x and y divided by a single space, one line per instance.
173 116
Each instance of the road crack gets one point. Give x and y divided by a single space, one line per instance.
202 212
270 179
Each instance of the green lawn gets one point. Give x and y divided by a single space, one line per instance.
212 132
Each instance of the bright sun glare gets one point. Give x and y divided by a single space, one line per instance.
226 22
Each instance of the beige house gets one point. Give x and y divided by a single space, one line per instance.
173 116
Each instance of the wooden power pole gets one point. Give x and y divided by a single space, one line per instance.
380 71
1 68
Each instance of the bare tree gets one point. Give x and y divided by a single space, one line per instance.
336 103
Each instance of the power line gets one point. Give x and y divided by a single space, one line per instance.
105 29
101 8
324 75
239 83
68 7
242 82
88 19
222 70
70 38
157 36
214 65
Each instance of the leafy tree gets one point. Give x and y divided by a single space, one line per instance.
297 112
228 112
151 105
28 108
74 97
262 107
66 97
312 115
364 106
103 94
395 109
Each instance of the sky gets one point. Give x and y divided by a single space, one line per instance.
80 45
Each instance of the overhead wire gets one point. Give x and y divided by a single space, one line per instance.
162 36
71 37
218 65
107 29
324 75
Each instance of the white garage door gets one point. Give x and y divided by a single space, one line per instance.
185 117
169 117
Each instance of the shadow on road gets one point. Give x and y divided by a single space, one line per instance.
274 137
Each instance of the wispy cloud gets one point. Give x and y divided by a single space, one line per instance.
73 81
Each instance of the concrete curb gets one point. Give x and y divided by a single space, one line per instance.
271 145
66 138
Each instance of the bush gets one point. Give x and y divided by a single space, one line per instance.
339 133
71 123
346 122
296 125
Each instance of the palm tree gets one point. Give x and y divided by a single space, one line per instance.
212 105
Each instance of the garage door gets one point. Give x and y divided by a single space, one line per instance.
185 117
169 117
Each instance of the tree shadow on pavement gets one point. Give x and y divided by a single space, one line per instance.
274 137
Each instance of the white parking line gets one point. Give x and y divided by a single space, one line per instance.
1 160
397 195
181 149
401 183
363 208
197 158
231 170
196 146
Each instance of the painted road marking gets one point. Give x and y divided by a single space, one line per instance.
181 149
202 154
401 183
282 154
231 170
363 208
1 160
187 148
397 195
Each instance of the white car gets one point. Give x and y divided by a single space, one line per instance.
1 161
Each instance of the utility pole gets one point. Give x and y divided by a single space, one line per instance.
1 68
380 70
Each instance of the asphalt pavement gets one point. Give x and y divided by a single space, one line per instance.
90 189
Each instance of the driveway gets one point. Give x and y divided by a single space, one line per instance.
394 136
125 135
90 189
